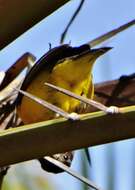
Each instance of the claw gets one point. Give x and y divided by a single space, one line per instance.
74 116
113 110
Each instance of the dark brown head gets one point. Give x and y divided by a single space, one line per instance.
65 158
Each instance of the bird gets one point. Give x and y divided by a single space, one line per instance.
64 66
69 68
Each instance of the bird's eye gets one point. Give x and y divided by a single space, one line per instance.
65 157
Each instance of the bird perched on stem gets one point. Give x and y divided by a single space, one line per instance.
67 67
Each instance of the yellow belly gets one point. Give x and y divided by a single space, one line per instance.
71 75
31 112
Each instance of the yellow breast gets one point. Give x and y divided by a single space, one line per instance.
73 74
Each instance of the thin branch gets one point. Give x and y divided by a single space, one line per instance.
16 69
110 34
116 92
90 102
71 172
50 106
9 91
63 35
123 83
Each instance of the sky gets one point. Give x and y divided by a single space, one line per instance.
95 18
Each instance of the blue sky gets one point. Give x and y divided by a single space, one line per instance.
95 18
